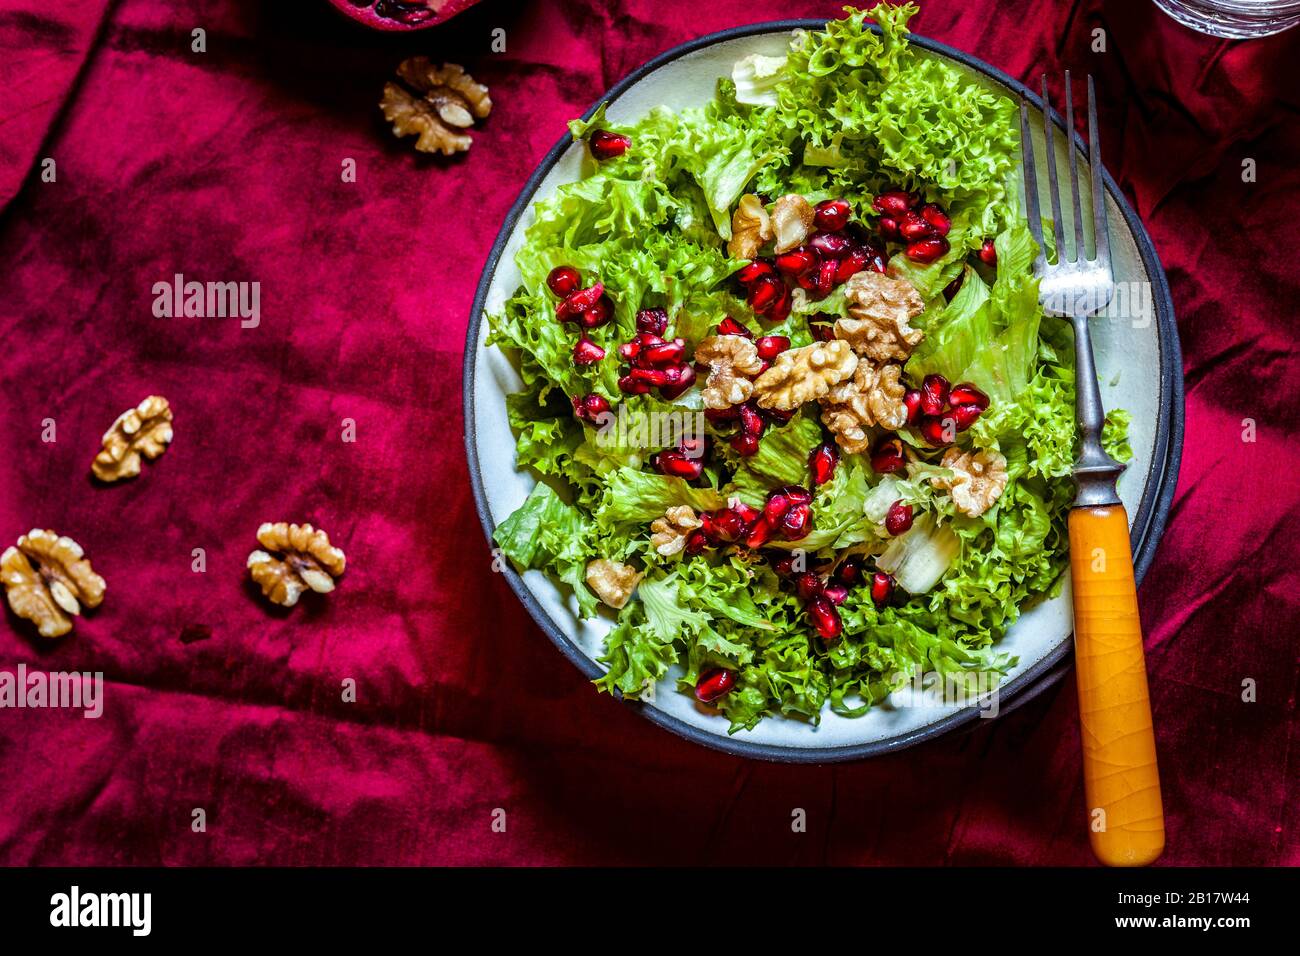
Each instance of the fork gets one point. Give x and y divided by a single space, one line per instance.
1121 781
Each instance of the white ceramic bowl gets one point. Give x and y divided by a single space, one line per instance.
1140 369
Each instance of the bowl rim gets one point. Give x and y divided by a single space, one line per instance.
1148 524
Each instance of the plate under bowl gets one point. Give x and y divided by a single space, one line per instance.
1138 358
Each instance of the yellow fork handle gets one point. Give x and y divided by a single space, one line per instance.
1125 815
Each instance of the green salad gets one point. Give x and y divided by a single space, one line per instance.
798 422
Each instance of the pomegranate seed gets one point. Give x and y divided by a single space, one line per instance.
607 145
652 321
770 346
912 227
665 353
693 448
825 619
587 352
779 415
760 532
630 386
576 303
937 219
714 684
966 415
832 215
912 399
730 326
822 461
887 455
823 280
745 445
797 522
748 275
937 431
893 203
927 250
680 378
899 518
934 394
588 408
765 293
646 339
563 280
747 514
822 331
882 588
751 423
988 253
807 585
796 262
783 566
964 393
654 377
720 416
831 245
780 310
775 507
851 265
836 593
696 542
677 465
889 229
629 350
796 494
598 314
728 525
849 573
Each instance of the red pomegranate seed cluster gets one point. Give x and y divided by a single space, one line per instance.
920 227
787 515
988 253
938 411
685 461
653 361
588 308
834 253
823 593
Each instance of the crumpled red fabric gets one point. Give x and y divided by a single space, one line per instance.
226 165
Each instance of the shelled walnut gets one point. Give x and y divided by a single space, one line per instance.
435 103
879 308
804 374
145 430
750 228
792 221
732 361
873 396
979 478
612 581
669 533
48 579
295 558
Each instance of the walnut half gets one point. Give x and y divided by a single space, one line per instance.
880 307
750 228
300 557
792 221
979 478
732 361
436 103
873 396
48 580
669 533
612 581
804 374
145 430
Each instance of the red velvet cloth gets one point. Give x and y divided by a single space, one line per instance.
225 165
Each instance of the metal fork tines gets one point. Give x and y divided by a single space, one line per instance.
1075 286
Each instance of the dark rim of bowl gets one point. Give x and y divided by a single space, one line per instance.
1148 523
